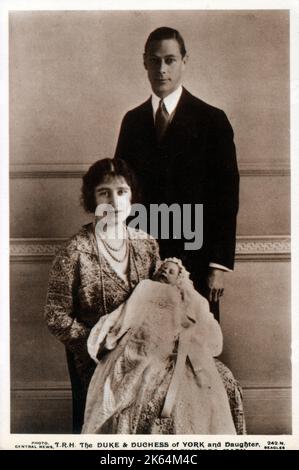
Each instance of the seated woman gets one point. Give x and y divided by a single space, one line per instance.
156 372
95 271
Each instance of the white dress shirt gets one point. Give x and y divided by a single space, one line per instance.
170 101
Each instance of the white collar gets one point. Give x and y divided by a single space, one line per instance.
170 101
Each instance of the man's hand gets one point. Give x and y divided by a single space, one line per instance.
215 282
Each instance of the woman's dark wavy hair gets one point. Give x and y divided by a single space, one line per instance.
162 33
97 174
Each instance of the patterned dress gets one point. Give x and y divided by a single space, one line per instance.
82 288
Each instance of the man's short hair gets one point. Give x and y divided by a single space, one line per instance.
166 33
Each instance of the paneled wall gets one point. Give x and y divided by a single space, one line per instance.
73 75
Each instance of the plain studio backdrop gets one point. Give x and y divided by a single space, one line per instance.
73 75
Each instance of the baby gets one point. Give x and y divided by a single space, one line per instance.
162 336
168 301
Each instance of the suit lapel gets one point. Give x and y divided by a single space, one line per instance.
185 125
185 131
146 124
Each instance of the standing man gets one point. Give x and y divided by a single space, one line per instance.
182 150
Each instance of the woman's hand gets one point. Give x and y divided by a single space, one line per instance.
96 341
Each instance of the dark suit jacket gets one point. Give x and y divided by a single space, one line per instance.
195 163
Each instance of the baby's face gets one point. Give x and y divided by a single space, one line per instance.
168 273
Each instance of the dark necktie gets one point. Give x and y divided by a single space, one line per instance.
161 120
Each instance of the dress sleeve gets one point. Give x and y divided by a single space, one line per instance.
155 255
60 312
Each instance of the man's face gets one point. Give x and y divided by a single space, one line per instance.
165 66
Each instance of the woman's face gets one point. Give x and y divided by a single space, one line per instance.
168 273
113 200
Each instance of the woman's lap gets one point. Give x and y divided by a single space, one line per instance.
235 396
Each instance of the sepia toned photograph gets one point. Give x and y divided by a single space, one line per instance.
170 313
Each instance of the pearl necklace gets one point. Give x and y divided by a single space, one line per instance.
111 251
104 241
108 249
